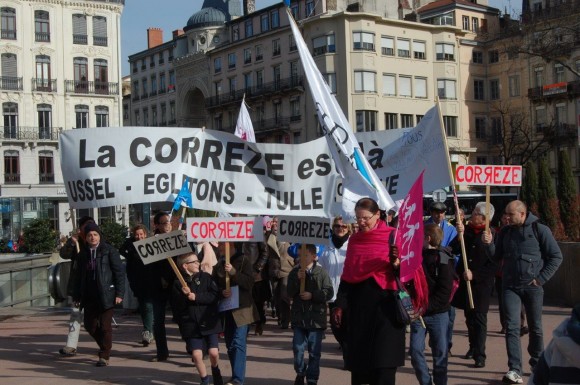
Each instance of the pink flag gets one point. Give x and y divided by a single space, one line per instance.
410 231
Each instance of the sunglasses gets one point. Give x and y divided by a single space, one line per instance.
340 226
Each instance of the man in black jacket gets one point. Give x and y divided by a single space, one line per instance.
99 286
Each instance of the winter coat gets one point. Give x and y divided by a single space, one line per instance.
332 260
200 317
310 314
439 276
281 263
139 275
526 257
110 278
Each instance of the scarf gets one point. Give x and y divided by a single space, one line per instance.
367 256
477 229
339 241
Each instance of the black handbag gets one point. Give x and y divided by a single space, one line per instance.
405 313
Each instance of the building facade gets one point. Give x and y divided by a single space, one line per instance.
60 70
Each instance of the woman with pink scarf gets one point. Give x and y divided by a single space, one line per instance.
366 300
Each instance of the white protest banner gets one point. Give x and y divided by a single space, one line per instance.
234 229
115 166
312 230
488 175
162 246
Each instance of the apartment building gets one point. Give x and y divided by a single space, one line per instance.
60 70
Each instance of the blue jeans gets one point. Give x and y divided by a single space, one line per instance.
450 328
159 332
312 340
436 326
533 298
236 343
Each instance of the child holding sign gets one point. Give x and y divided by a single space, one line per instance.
195 310
308 313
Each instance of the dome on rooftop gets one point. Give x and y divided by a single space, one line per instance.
207 17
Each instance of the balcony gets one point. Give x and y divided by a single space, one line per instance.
8 34
554 91
12 178
91 87
195 121
43 37
80 39
294 83
10 83
30 133
100 41
43 85
46 178
268 125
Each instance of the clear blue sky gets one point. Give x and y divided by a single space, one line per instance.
170 15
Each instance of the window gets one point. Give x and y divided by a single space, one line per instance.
8 23
152 61
364 81
310 8
276 74
247 55
259 79
331 81
494 56
46 166
465 23
135 90
10 111
218 122
540 119
446 89
265 22
81 74
366 121
477 57
405 86
146 117
41 26
494 89
79 22
100 31
363 41
446 19
420 87
389 85
295 9
481 160
249 28
450 123
295 109
474 24
293 46
445 51
561 114
233 85
480 128
163 114
419 50
558 73
248 82
275 19
419 118
217 87
217 65
406 120
478 90
44 121
144 88
9 78
231 60
42 81
323 44
276 47
137 118
171 87
82 116
294 78
387 46
102 116
102 76
153 116
390 121
259 52
539 76
162 85
11 167
496 131
514 84
403 48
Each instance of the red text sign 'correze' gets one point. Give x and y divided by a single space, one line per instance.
481 175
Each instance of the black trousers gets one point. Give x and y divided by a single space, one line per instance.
477 333
98 324
379 376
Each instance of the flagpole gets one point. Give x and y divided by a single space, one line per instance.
455 200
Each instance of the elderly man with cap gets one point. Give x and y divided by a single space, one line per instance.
438 210
99 286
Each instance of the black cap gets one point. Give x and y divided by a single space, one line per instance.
92 226
85 219
437 206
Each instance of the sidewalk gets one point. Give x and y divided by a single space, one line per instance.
31 339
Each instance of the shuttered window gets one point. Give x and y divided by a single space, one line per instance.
100 31
79 29
9 68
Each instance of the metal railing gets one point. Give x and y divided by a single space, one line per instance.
80 39
101 41
24 280
42 36
30 133
91 87
44 85
10 83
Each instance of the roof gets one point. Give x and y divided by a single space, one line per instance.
206 17
444 3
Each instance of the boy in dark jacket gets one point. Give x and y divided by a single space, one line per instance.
308 314
438 267
195 310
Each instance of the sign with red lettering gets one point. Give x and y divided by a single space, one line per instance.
162 246
491 175
234 229
314 230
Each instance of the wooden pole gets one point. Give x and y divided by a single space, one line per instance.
177 272
302 267
227 262
487 207
455 200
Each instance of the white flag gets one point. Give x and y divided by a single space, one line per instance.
359 179
244 127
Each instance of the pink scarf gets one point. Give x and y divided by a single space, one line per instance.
367 256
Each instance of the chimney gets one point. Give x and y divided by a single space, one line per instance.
154 37
177 33
249 6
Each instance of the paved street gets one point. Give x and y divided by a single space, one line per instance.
30 339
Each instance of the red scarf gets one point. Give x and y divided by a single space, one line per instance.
477 229
367 256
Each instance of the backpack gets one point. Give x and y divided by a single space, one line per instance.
444 259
